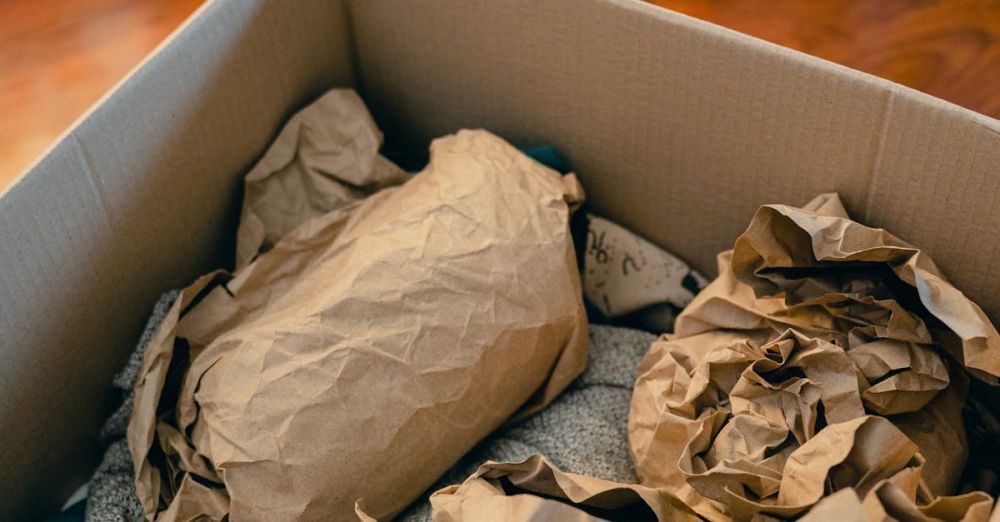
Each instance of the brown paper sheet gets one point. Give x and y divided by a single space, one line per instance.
741 422
143 425
887 502
822 342
808 254
536 490
366 351
325 158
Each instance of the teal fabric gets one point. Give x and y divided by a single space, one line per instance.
549 156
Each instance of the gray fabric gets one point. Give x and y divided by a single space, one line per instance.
583 431
111 495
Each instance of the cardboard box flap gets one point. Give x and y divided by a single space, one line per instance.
142 196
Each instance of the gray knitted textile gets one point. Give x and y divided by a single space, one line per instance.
582 431
111 493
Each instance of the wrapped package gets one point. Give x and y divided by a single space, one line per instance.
821 342
359 356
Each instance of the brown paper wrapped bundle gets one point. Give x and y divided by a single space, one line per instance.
368 349
821 341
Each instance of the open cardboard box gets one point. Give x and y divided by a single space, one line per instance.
678 129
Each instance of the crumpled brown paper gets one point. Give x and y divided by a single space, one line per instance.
743 421
536 490
819 257
887 502
325 158
866 454
819 344
368 349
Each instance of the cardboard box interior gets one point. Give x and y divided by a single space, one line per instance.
678 129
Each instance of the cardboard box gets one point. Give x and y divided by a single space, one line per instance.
678 129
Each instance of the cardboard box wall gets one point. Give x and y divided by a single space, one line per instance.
679 130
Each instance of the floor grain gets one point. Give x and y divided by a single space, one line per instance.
57 57
947 48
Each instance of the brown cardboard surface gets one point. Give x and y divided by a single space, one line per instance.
140 197
679 130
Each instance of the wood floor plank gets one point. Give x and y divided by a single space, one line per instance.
57 57
947 48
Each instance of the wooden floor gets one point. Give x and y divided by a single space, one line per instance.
948 48
57 57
